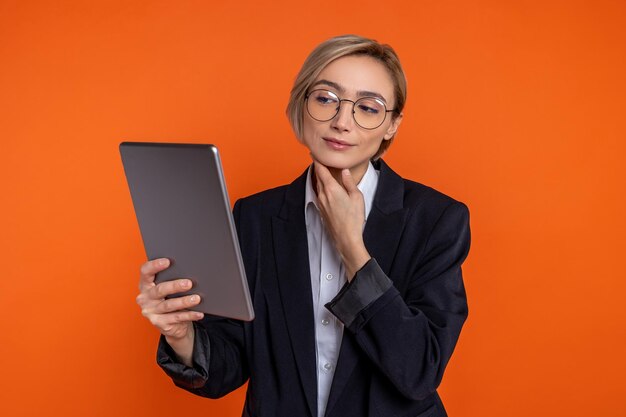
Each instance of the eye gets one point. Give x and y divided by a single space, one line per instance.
368 109
370 106
324 99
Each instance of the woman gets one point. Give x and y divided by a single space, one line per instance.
355 273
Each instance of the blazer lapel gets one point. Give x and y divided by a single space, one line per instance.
383 229
294 280
387 218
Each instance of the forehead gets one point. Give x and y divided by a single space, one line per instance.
359 73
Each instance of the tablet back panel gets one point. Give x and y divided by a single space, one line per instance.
183 211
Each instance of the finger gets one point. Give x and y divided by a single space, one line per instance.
164 289
180 317
323 174
348 181
167 323
175 304
328 185
149 269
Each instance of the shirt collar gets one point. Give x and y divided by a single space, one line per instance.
367 186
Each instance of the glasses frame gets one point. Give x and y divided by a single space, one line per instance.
306 99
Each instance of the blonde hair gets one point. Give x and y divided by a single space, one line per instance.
338 47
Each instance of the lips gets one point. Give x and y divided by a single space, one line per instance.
337 142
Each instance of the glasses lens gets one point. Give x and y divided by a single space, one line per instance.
370 112
322 105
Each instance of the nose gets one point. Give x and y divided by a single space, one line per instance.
343 120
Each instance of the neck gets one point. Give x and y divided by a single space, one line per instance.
357 172
336 173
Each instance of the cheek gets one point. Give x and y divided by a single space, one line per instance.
376 139
308 132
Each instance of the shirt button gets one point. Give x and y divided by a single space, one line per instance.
329 276
328 366
325 322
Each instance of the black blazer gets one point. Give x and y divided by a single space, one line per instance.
403 311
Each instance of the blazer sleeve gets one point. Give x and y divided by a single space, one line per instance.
219 360
411 337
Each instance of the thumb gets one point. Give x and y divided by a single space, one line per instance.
348 181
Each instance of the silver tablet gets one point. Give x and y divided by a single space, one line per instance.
183 211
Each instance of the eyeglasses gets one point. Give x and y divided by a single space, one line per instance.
368 112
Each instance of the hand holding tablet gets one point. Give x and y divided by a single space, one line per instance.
169 316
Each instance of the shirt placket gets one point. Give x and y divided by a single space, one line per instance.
330 332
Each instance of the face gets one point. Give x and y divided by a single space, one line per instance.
340 142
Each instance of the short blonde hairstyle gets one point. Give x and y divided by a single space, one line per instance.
335 48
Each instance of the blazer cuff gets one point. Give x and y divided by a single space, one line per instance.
183 375
369 284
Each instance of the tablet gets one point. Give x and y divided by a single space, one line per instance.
183 211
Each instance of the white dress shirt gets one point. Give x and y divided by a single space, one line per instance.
327 278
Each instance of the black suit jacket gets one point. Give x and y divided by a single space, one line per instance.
402 312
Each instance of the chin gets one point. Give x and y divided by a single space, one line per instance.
334 161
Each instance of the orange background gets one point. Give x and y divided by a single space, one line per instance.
515 108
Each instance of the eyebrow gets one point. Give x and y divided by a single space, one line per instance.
339 88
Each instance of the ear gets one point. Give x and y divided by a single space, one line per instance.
393 127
